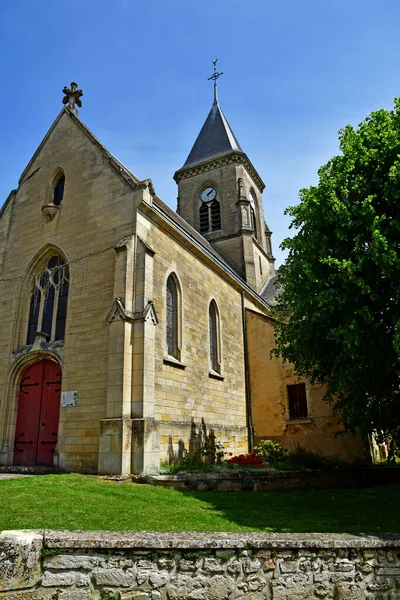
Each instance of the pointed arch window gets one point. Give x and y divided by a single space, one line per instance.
253 211
48 305
214 335
173 322
58 191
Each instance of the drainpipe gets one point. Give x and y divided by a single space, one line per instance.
249 420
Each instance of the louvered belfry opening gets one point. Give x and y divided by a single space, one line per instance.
204 219
215 215
210 216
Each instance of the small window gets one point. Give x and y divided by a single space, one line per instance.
214 338
48 306
297 401
59 190
172 318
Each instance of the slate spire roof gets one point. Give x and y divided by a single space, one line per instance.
215 138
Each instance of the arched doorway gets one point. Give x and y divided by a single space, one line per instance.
38 413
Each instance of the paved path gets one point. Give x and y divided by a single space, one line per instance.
13 475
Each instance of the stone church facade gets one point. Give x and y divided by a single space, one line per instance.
130 333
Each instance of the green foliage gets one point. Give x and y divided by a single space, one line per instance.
49 552
339 306
192 555
300 458
270 453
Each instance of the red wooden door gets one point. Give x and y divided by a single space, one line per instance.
38 413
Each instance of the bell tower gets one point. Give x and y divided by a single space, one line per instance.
220 195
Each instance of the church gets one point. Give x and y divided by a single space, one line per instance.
131 333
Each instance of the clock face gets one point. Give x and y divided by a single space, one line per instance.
208 194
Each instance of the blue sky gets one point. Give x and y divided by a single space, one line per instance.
295 72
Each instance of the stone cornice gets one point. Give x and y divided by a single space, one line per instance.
221 161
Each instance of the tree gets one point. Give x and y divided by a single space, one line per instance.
338 312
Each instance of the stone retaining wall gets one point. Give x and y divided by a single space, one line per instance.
57 565
268 480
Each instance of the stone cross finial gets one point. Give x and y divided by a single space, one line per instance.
214 77
72 96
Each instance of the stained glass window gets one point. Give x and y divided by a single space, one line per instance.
172 318
213 329
48 306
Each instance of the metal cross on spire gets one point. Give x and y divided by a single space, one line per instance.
214 77
72 97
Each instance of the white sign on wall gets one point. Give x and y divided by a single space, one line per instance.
69 398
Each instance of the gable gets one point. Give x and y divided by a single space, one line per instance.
97 205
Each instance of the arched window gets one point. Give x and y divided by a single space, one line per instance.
48 306
253 211
173 318
213 321
58 191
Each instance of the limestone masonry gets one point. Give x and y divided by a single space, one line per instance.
56 565
132 334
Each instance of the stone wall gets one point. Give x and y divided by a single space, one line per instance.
269 378
198 566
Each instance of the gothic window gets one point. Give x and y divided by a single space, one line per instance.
253 211
173 318
58 191
213 321
48 305
297 401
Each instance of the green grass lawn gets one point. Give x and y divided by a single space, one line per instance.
85 502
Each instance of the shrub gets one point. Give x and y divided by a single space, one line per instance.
270 453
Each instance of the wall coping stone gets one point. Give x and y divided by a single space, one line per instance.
218 540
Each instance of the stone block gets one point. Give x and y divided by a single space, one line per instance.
158 579
134 595
213 565
349 592
117 577
299 587
72 561
289 566
20 559
58 579
251 565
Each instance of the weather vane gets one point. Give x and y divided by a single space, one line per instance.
72 96
214 77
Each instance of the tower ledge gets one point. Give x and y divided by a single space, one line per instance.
220 161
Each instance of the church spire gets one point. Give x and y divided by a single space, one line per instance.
214 77
216 137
